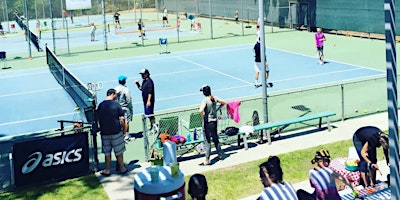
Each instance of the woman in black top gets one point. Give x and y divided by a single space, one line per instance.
366 140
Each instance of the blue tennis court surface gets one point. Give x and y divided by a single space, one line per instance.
36 101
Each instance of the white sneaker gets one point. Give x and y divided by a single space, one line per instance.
321 63
127 138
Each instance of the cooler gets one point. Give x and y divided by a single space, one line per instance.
167 188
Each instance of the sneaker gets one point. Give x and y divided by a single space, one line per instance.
321 63
270 84
127 138
257 85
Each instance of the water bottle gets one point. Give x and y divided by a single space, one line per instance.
195 134
188 137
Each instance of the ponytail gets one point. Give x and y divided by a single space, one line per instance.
212 98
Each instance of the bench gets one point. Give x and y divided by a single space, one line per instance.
267 126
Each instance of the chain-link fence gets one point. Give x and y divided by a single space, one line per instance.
339 98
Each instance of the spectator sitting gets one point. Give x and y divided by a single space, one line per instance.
198 188
322 179
271 176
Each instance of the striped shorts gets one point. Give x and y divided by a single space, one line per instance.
116 142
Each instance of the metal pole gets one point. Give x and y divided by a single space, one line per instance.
177 19
66 25
35 10
43 9
211 25
129 6
8 21
52 26
27 31
391 76
103 12
134 9
3 9
342 89
242 12
141 18
145 138
157 9
62 14
263 60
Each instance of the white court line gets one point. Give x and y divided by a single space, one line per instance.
143 59
30 92
320 74
327 84
203 66
300 54
36 119
194 94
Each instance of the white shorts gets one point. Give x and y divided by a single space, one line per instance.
257 67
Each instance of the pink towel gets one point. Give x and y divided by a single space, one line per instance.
232 109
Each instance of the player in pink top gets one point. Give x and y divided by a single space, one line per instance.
319 41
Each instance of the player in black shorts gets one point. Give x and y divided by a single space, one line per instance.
116 19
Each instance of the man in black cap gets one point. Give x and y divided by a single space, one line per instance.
147 89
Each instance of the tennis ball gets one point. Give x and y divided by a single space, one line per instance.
330 128
365 111
378 110
356 110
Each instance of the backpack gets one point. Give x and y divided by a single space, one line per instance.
231 131
255 118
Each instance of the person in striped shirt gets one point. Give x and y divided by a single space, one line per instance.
322 179
271 176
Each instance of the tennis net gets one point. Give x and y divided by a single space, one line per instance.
83 98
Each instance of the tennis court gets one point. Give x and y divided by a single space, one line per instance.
38 101
78 34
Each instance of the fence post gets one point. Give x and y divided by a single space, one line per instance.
145 139
93 132
342 94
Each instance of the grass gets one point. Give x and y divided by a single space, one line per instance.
243 180
234 182
87 187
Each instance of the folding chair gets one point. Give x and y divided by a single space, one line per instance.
4 59
170 124
195 123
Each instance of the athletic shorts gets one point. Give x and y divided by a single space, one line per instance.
257 67
362 165
127 114
164 18
110 142
320 50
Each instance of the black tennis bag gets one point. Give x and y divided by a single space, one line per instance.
231 131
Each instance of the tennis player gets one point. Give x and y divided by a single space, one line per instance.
319 41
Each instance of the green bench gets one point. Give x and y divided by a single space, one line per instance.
267 126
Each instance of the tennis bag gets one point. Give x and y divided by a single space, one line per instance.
231 131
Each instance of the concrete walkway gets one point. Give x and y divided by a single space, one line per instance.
121 187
